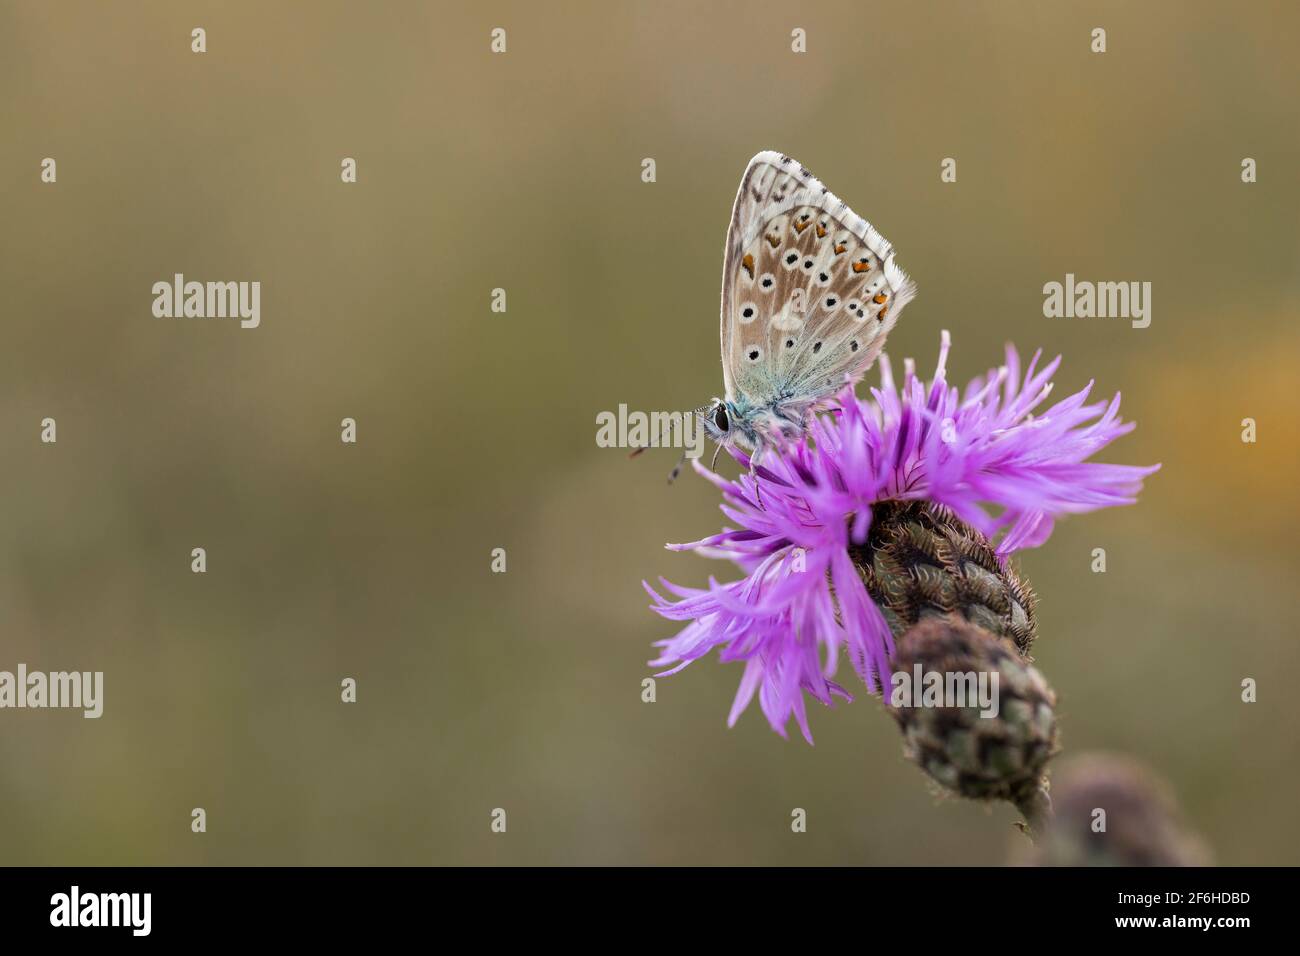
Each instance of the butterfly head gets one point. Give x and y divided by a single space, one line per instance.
719 420
729 423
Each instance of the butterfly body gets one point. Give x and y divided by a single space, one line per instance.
809 292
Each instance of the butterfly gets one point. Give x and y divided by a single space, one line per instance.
810 289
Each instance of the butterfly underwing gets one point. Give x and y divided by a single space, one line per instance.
810 289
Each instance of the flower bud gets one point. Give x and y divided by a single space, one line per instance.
1112 811
920 559
985 753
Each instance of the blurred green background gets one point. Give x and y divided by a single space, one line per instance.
476 430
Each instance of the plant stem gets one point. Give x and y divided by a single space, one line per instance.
1036 807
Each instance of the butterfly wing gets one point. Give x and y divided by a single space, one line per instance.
809 289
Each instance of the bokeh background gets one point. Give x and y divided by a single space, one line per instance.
477 430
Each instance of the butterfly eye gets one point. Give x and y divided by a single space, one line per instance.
720 418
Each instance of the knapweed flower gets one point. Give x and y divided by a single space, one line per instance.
967 478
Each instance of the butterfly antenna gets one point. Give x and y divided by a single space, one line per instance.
677 469
694 413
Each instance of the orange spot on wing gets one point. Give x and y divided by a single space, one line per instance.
841 248
862 267
772 240
881 314
821 231
748 264
799 227
880 298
